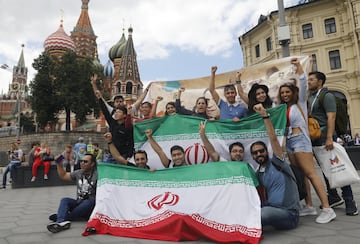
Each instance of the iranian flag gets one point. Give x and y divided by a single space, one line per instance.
184 131
215 201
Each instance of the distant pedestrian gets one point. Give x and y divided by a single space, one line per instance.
14 154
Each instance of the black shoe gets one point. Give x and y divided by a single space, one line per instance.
334 201
57 227
53 217
351 208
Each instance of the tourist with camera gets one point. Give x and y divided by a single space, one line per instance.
80 208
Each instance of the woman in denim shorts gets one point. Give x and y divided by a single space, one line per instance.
298 144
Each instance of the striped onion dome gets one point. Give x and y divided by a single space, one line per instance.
59 40
117 50
109 69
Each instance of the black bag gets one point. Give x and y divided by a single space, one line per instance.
47 157
299 178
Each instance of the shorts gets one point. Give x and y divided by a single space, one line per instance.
298 143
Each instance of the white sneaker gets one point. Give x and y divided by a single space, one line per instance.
46 177
307 210
325 216
33 179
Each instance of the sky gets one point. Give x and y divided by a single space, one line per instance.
174 39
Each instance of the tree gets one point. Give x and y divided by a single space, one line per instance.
66 84
43 98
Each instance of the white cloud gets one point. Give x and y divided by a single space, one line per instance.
209 27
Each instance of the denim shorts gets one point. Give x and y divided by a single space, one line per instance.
298 143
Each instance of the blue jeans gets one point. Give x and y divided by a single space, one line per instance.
10 168
279 218
70 209
347 193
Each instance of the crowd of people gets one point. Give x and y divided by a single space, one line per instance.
281 208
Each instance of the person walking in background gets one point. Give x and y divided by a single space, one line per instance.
70 158
97 152
80 154
14 154
79 144
40 159
325 114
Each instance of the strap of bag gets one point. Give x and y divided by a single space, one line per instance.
302 112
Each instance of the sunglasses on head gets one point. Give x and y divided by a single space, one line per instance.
262 150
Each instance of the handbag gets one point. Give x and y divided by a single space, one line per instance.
313 125
336 165
47 157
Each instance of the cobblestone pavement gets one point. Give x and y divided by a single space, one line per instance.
24 216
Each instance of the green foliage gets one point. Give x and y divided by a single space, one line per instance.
69 88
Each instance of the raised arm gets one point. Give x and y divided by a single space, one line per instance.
181 109
113 150
155 146
60 170
275 145
208 146
240 89
141 98
212 90
154 107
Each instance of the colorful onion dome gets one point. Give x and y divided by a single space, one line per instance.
59 40
109 69
117 50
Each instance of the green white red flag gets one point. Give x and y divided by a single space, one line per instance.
215 201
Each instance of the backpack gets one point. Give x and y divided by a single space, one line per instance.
299 178
342 116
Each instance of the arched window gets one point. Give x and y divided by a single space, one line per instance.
129 86
118 87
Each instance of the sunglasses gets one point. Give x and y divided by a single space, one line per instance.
262 150
84 161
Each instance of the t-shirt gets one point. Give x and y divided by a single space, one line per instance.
282 191
230 111
86 184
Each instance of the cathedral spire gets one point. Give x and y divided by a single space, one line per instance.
83 33
21 62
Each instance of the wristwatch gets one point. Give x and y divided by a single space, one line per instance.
266 116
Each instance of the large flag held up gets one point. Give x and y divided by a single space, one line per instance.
217 201
184 131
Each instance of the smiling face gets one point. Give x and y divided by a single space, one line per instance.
260 95
178 157
170 109
140 159
230 94
286 94
259 154
237 153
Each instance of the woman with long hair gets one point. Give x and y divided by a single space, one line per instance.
298 143
199 109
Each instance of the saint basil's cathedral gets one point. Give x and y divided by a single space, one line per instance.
121 73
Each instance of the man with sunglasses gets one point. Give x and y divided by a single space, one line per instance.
281 208
81 207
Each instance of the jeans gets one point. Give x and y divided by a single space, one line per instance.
10 168
347 193
279 218
70 209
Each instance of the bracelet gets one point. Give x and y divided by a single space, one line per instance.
266 116
109 143
238 82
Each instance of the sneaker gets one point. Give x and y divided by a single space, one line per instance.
307 210
57 227
325 216
46 177
33 179
334 201
53 217
351 208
